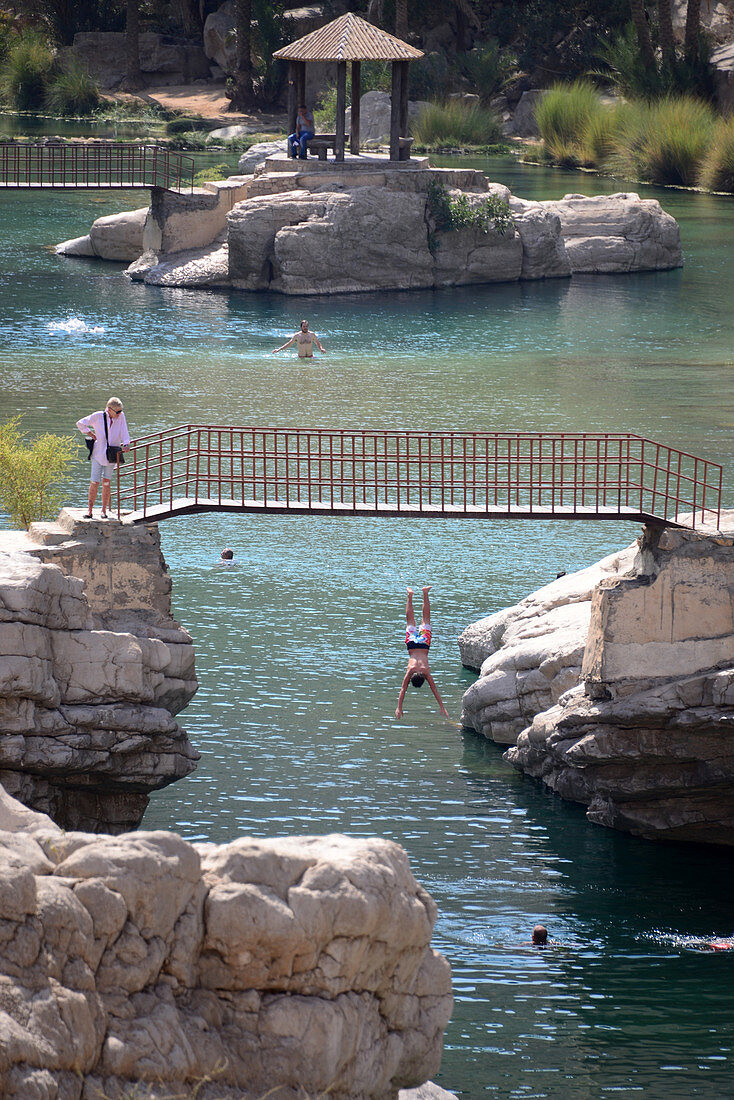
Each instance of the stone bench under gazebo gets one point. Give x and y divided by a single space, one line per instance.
351 39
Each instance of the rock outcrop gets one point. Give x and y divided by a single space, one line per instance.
313 228
164 60
142 961
93 671
644 735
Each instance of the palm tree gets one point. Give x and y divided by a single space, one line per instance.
242 93
401 18
134 79
637 9
693 25
667 40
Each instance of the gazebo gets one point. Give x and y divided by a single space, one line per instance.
352 39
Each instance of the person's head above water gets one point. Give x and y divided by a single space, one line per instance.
540 935
227 554
304 326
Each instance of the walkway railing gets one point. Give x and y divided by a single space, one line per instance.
199 468
97 166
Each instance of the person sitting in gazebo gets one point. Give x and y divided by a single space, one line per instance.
305 130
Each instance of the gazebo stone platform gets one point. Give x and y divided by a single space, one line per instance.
362 162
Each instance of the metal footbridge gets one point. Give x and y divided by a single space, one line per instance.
478 475
93 166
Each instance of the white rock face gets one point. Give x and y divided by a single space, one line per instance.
227 133
529 654
623 679
92 671
219 41
544 254
257 154
608 234
144 961
114 237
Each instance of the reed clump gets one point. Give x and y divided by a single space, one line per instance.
664 141
717 169
455 124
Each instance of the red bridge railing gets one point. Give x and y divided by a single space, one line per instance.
200 468
104 165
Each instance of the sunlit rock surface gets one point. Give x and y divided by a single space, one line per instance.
617 685
93 670
144 962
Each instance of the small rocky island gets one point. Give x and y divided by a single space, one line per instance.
369 224
615 685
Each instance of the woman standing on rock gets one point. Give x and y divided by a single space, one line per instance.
108 428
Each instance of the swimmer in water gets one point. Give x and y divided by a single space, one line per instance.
418 641
305 340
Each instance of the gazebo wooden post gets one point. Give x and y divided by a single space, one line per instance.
395 97
292 95
356 96
301 87
403 99
341 108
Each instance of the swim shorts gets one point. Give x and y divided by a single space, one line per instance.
418 637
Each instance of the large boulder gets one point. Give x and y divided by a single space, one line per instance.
93 671
220 44
544 253
617 233
163 58
523 118
374 116
529 654
258 153
722 63
113 237
300 965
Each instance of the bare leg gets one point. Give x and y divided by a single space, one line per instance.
92 494
106 495
409 616
426 612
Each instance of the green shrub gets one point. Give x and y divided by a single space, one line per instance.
72 91
622 64
665 141
33 475
188 124
456 124
191 140
486 67
717 170
214 172
430 77
130 110
25 72
492 213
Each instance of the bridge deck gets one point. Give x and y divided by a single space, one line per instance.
183 506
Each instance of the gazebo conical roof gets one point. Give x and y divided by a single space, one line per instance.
349 38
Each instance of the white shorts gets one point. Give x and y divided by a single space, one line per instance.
100 472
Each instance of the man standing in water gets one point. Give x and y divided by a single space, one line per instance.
418 641
305 339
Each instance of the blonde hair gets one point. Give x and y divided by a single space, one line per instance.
114 403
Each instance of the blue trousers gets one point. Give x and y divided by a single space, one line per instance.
299 141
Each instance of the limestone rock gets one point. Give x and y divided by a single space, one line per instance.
617 233
77 246
219 41
114 237
623 677
529 654
523 119
544 253
163 58
132 961
257 154
722 62
374 115
94 669
199 267
227 133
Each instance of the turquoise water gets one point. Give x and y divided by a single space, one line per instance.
299 646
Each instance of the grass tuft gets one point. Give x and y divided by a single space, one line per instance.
456 124
72 91
665 141
717 169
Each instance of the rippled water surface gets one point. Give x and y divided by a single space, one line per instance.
299 645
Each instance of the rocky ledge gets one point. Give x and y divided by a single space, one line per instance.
93 671
295 967
615 685
368 225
